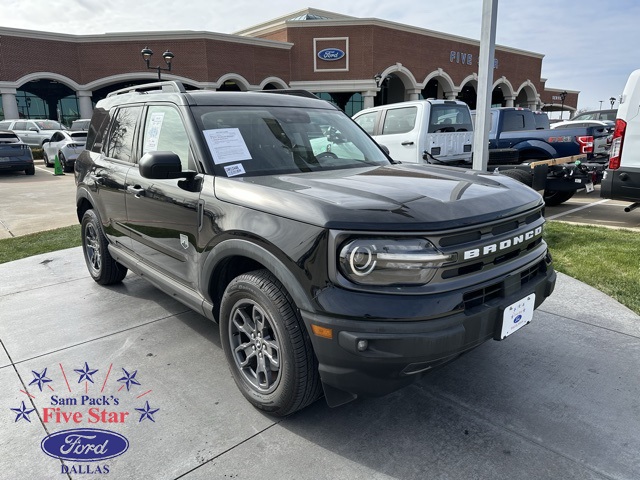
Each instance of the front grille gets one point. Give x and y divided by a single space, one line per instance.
498 234
480 296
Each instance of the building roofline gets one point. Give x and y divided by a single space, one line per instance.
335 19
143 37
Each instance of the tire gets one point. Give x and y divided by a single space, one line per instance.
101 265
555 197
258 315
63 162
519 175
31 170
45 157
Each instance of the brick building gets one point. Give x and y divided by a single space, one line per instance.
354 62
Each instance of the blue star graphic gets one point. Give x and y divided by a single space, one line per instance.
40 378
147 412
23 412
85 374
129 379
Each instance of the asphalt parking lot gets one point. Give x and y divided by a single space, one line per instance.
557 400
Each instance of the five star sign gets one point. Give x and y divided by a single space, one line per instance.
85 374
129 379
147 412
40 378
23 412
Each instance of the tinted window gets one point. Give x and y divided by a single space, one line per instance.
399 120
97 128
121 134
164 131
20 126
5 125
513 121
449 118
542 121
57 137
79 136
367 121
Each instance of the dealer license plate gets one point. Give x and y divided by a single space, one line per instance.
517 315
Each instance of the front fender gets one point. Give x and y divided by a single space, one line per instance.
243 248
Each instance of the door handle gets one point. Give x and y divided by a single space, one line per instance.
136 190
407 142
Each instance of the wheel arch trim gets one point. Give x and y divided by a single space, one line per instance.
243 248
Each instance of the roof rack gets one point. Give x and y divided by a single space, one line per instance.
290 91
169 86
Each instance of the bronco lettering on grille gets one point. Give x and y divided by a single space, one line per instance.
503 245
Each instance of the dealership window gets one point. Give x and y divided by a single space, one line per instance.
353 105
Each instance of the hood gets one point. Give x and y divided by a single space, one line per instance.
397 197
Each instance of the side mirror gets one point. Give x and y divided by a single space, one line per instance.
162 165
384 148
33 129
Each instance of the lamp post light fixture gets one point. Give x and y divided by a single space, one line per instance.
612 100
600 104
381 83
563 95
167 55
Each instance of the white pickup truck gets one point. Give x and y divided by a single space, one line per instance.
422 131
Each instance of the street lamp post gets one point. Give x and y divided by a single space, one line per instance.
601 103
381 83
563 95
167 55
612 100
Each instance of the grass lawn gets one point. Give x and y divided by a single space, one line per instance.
603 258
41 242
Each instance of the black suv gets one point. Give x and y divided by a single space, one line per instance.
329 268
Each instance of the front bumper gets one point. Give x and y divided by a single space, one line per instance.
398 351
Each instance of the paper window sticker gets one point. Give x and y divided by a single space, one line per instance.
233 170
153 132
226 145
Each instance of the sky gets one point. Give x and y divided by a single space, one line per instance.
589 45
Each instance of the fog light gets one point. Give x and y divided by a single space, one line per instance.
362 345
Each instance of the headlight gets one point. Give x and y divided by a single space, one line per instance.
391 261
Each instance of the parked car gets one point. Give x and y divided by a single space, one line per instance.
32 132
345 274
15 155
67 145
609 115
81 124
421 131
621 180
602 133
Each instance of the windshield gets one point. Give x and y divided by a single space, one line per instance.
246 141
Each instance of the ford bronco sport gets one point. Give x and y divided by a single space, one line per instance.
329 268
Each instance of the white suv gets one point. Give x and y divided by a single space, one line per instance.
32 132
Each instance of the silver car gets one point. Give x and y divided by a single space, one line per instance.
66 145
32 132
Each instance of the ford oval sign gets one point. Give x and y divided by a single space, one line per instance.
330 54
84 444
517 319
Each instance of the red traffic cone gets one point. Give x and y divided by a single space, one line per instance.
57 168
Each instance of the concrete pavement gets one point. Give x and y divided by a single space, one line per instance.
557 400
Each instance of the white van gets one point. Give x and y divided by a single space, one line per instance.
421 131
621 180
